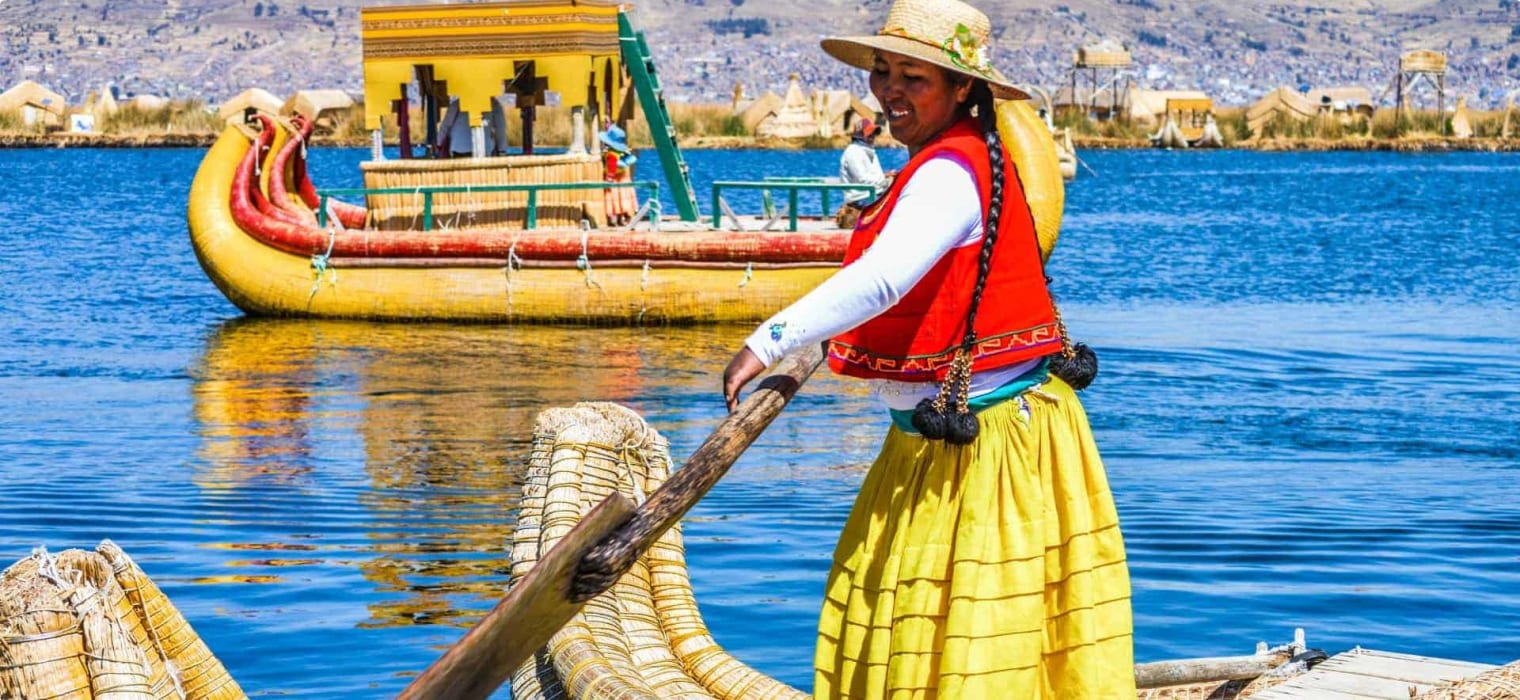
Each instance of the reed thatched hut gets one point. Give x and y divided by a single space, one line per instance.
1282 103
1345 101
322 107
1106 102
37 105
794 118
102 105
1461 121
798 114
147 103
755 112
839 111
258 99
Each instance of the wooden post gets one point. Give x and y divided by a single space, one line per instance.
577 130
528 114
529 89
427 91
440 104
1441 102
1162 674
1398 102
403 110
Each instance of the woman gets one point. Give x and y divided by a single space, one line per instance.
622 203
982 558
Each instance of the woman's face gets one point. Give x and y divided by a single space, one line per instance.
920 98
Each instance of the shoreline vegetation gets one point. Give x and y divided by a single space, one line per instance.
193 125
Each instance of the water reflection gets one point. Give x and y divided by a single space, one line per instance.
252 399
439 416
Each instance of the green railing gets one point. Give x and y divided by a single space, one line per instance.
652 197
793 188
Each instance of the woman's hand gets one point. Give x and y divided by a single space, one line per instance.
744 367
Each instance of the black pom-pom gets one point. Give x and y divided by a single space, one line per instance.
1079 370
929 422
963 428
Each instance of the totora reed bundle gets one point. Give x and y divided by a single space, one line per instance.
90 625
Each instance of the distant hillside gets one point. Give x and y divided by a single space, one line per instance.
1236 51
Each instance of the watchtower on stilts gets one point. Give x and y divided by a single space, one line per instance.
1417 67
1102 68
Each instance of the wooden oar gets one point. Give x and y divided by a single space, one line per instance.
599 550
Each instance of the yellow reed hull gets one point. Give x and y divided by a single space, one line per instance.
264 281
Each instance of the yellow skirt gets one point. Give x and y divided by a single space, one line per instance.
994 570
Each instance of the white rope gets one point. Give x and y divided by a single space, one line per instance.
319 265
749 274
514 263
47 566
584 261
644 291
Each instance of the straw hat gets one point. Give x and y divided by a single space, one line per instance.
947 33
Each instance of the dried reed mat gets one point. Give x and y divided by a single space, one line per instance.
644 638
484 210
1502 683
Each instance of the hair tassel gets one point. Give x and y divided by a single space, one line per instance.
1077 365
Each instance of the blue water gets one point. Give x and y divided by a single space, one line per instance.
1307 408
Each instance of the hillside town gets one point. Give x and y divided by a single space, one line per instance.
213 49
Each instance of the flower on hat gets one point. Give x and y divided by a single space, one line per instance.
966 52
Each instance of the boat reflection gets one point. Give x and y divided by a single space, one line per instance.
405 443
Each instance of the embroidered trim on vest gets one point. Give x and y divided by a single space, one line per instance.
923 365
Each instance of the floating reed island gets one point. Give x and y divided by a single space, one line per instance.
83 625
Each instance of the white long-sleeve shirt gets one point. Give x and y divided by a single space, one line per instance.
938 210
859 165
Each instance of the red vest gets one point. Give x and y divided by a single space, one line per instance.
915 340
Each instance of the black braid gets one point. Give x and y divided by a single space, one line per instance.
986 113
934 418
963 427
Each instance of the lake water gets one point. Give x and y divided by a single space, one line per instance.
1308 410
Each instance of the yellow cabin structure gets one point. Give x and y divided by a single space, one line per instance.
479 52
463 68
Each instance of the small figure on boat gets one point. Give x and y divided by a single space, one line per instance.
982 557
622 202
859 165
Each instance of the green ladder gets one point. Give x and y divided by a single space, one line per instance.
652 98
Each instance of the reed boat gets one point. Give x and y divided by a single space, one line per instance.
255 229
1188 123
263 236
457 229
